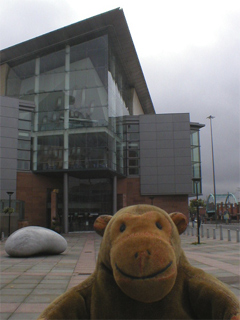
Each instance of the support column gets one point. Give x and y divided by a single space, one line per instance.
65 138
65 202
114 194
66 107
36 101
53 204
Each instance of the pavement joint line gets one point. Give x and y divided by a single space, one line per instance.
31 307
218 264
218 255
207 257
32 289
9 307
87 256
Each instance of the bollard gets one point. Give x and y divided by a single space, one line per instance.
202 231
188 231
2 238
221 233
192 231
207 233
237 235
214 234
229 235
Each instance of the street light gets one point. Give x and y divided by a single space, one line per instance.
214 183
9 212
151 198
196 181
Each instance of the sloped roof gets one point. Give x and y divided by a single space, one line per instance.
113 23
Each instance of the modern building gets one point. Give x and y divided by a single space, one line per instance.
79 132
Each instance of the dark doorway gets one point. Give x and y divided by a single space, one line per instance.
88 198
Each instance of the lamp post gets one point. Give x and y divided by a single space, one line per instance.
214 182
9 213
196 181
151 198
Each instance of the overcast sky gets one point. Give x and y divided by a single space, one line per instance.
190 55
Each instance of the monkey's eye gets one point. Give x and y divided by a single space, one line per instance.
158 225
122 227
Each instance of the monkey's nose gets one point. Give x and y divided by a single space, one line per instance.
144 253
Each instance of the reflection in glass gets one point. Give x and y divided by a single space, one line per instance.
88 151
88 198
195 157
20 81
50 153
80 99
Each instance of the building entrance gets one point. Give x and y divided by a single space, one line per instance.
88 198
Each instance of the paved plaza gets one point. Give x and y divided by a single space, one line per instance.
28 285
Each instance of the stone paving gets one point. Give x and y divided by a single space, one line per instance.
28 285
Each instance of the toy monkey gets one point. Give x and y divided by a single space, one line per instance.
143 273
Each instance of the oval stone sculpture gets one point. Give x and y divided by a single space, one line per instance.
30 241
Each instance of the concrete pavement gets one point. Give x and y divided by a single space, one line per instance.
28 285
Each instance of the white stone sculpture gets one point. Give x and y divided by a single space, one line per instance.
30 241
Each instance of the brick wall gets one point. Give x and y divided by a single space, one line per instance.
129 190
32 189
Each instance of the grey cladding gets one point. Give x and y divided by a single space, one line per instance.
9 142
165 154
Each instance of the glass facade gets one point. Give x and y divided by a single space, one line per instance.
89 150
88 198
50 152
81 95
94 195
20 81
83 135
196 159
131 148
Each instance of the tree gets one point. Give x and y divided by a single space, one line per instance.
8 210
193 205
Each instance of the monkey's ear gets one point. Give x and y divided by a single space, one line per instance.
180 221
101 223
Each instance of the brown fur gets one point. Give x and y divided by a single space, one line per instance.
142 273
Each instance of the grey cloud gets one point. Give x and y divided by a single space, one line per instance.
201 81
204 82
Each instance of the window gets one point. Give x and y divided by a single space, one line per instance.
131 132
195 158
24 140
24 125
88 150
50 152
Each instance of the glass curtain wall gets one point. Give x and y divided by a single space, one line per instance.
81 95
196 160
118 107
20 81
88 198
131 148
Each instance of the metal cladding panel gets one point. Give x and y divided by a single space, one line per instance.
149 189
148 153
9 144
171 156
